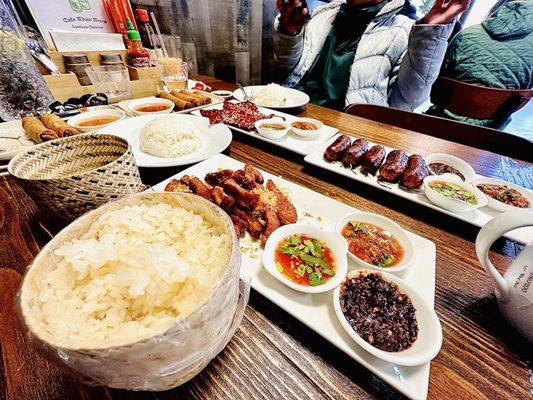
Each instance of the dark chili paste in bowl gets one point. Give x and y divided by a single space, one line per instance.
378 312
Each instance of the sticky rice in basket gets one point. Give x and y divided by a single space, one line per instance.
139 294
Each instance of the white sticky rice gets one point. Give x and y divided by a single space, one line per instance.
170 136
271 95
131 275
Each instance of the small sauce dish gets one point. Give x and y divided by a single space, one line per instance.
151 106
451 161
226 94
306 127
448 191
378 241
501 206
428 340
97 119
301 256
273 128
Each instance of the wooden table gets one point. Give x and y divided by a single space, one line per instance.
274 356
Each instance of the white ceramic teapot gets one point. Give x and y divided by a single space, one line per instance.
514 290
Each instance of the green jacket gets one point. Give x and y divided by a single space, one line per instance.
497 53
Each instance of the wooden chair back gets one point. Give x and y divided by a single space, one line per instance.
471 135
475 101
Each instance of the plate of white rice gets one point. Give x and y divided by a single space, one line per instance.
273 96
171 140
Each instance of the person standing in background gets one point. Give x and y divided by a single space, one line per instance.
363 51
497 53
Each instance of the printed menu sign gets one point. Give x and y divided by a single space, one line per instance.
69 15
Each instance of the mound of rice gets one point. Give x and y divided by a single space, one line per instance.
271 95
130 275
170 136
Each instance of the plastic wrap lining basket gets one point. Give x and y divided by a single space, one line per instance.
169 358
70 176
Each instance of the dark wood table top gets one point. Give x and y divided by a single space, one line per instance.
272 355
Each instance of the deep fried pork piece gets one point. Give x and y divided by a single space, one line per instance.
222 199
272 223
216 178
278 201
255 227
177 186
246 199
200 188
239 224
249 178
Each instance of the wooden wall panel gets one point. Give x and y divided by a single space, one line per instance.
228 39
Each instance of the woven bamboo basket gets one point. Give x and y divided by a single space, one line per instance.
155 363
70 176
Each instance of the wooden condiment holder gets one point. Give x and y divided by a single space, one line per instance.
144 81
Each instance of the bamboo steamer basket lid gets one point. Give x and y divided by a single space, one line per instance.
69 176
167 359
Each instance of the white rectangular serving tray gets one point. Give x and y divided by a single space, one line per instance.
291 141
478 217
316 310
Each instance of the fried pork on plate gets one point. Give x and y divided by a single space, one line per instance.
253 208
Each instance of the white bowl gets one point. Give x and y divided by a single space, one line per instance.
429 339
226 94
334 241
389 225
307 133
133 104
74 121
455 162
272 133
453 205
498 205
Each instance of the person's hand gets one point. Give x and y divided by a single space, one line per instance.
444 11
292 17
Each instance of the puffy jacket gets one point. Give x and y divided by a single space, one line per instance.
497 53
396 61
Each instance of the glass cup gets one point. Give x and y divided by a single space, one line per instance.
174 75
113 80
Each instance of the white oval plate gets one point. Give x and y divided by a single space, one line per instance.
429 340
294 98
214 138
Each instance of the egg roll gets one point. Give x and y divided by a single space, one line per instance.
37 131
60 127
196 102
180 103
203 98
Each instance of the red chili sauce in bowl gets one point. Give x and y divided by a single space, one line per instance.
305 260
372 244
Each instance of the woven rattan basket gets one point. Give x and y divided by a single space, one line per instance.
70 176
159 362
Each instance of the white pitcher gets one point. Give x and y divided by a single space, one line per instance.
514 290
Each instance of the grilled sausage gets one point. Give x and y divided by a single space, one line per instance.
336 150
394 166
372 159
353 154
415 173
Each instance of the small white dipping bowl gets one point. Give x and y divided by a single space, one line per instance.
500 206
134 104
455 162
272 134
334 241
74 121
305 133
453 205
396 230
429 339
226 94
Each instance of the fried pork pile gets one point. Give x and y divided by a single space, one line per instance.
253 207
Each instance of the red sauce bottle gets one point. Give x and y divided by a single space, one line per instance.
138 56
